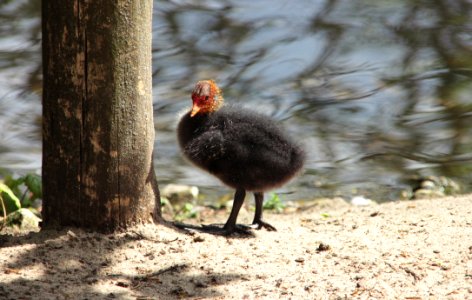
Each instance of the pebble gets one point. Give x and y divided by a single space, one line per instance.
362 201
178 193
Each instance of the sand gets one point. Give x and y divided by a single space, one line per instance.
402 250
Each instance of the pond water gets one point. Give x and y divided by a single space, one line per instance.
377 91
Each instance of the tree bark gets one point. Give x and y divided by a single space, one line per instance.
98 129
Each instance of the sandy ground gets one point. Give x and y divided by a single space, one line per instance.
403 250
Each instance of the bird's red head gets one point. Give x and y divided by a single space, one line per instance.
206 97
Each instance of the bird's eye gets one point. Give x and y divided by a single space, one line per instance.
206 98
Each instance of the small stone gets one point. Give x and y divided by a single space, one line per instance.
122 284
198 239
323 247
428 185
24 218
278 282
72 235
362 201
428 194
445 267
178 194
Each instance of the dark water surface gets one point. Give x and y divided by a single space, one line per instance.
378 91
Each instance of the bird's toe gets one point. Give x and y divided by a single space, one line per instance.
262 224
227 230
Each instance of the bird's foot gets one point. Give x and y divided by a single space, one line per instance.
262 224
238 229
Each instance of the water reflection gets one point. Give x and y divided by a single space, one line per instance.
377 91
20 110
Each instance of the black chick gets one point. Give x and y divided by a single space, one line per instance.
245 150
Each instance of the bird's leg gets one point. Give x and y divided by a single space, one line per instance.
258 223
238 201
230 227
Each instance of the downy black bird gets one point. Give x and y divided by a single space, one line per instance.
244 149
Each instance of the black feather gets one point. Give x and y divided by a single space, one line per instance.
244 149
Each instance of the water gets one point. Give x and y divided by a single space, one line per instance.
378 91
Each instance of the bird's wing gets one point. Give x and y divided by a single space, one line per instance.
207 147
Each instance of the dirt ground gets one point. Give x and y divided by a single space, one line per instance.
403 250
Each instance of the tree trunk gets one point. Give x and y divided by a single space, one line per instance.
98 129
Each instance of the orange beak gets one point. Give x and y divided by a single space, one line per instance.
195 110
